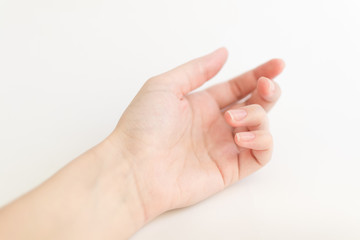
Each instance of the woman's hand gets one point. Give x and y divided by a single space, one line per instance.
183 147
171 148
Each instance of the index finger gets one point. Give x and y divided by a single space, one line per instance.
239 87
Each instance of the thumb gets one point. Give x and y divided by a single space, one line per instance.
191 75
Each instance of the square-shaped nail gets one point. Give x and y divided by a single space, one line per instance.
237 114
245 136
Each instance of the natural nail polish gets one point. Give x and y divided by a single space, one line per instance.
245 136
271 86
237 115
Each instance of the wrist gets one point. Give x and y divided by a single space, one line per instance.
116 191
140 161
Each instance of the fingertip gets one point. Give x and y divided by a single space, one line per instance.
268 89
262 82
232 116
256 140
224 50
275 67
221 53
280 62
244 137
228 117
224 54
214 61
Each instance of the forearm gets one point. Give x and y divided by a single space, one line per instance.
93 197
172 148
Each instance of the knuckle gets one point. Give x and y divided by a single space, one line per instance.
157 83
153 80
236 88
151 83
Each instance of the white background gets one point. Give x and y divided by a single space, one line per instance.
69 68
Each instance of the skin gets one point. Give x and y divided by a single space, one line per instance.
171 148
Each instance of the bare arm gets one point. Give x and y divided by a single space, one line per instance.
171 148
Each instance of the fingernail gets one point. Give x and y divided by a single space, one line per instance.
245 136
271 86
237 115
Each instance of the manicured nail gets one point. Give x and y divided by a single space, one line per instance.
237 115
245 136
271 86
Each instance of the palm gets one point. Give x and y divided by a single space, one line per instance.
192 148
212 160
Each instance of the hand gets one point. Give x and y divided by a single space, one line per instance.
182 146
170 149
